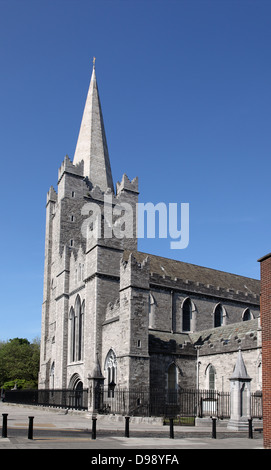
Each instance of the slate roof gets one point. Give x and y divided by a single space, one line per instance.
227 332
174 269
226 338
170 343
229 337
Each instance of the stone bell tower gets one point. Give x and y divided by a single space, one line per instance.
81 273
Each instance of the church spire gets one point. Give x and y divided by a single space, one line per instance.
91 144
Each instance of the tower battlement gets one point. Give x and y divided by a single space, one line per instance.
51 195
68 167
133 273
127 185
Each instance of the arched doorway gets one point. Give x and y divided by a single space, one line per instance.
76 394
79 386
110 368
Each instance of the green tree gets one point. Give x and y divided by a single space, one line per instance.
19 362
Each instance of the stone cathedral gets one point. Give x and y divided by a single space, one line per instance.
137 319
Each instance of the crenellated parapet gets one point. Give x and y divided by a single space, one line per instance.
68 167
51 195
127 185
189 286
134 274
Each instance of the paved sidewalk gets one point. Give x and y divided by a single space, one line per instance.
59 429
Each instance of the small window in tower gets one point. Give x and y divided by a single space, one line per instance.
72 218
139 343
73 193
71 242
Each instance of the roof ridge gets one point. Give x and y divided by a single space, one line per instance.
198 266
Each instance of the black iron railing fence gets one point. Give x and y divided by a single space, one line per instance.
256 405
184 402
138 402
62 398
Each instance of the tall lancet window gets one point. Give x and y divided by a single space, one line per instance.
211 377
187 315
218 316
77 332
72 328
76 336
81 332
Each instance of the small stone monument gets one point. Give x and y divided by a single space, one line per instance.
240 396
96 381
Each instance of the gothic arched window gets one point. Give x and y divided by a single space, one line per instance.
218 316
81 332
211 377
72 334
77 311
247 315
76 335
187 315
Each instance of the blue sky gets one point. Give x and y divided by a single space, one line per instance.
185 92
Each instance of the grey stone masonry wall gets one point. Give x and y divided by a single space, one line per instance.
168 308
167 348
76 263
134 295
219 346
